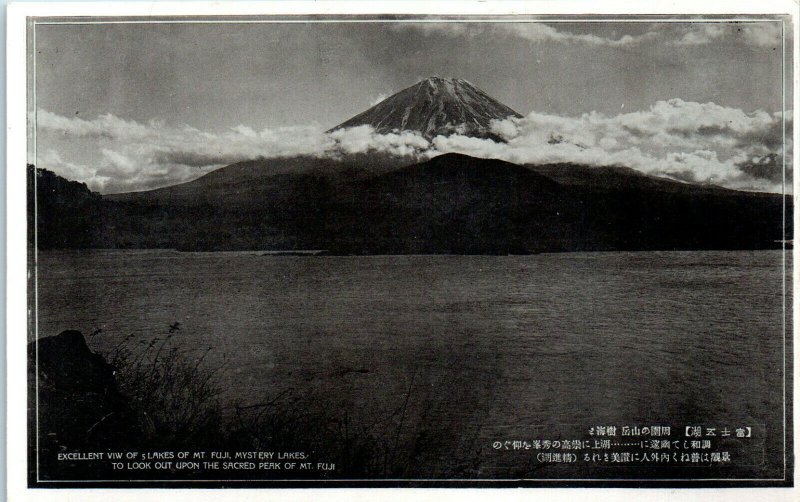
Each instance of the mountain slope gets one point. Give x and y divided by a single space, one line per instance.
459 204
450 204
617 177
435 106
260 181
454 204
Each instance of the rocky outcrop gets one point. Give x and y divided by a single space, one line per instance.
75 403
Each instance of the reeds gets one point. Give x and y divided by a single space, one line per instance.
173 390
176 394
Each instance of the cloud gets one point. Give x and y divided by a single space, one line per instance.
767 34
107 126
129 155
701 34
531 31
757 34
116 172
51 159
687 141
767 167
538 32
760 34
453 29
363 138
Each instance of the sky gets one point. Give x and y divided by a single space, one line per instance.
126 107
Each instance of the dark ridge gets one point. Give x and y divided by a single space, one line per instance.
452 204
64 213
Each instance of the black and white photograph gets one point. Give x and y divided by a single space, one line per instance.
398 250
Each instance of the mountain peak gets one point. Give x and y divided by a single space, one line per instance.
435 106
437 79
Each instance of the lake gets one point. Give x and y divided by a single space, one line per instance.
473 348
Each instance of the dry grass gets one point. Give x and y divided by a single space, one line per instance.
175 393
173 390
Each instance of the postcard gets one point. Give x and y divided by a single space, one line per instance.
325 245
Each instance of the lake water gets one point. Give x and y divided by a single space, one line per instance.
479 347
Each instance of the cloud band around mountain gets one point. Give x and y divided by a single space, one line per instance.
693 142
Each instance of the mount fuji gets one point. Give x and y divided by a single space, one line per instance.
373 203
435 106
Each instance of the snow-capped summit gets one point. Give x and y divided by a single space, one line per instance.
435 106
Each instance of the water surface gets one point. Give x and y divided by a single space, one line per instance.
483 346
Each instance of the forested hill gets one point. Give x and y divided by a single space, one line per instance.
67 213
450 204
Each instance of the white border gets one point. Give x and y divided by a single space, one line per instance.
16 269
405 7
32 113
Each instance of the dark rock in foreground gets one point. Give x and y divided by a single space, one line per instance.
80 408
